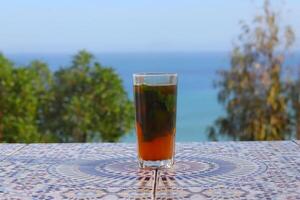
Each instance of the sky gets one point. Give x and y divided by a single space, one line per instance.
65 26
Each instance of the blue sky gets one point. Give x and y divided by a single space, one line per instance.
56 26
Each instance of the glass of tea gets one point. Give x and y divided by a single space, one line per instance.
155 105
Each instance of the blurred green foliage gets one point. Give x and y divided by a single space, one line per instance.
294 93
79 103
253 91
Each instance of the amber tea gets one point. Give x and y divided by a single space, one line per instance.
155 105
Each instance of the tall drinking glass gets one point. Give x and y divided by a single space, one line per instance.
155 105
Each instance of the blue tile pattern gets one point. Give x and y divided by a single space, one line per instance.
223 170
232 170
8 149
75 171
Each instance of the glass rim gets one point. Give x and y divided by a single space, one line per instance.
141 74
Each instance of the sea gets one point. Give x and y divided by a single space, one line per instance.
197 106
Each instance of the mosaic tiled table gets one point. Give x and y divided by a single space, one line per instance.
227 170
8 149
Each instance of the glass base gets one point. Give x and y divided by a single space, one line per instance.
162 164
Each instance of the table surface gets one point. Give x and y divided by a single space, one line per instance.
212 170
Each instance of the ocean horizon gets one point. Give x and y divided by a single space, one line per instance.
197 98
